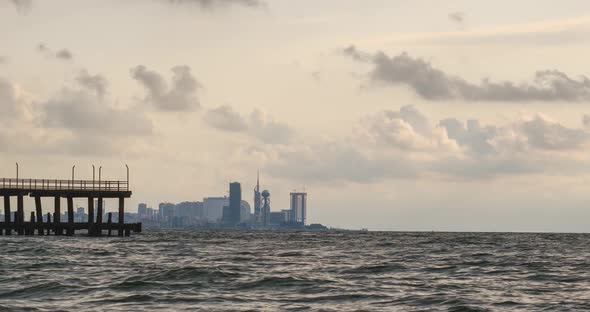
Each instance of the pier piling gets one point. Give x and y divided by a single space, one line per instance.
110 223
48 223
39 212
99 213
70 230
57 216
121 215
7 213
20 211
91 228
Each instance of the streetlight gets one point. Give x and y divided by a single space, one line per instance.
127 176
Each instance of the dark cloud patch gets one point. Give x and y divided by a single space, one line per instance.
41 47
259 125
22 6
548 135
226 119
357 55
209 4
3 59
269 130
181 96
64 54
434 84
316 75
457 17
95 83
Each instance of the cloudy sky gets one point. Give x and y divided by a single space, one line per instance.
392 114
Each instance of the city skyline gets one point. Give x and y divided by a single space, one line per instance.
455 115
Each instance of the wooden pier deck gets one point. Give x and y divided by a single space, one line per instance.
14 221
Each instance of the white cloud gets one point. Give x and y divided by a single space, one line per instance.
405 144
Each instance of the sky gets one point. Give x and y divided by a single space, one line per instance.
454 115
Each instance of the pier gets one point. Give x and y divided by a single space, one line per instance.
15 223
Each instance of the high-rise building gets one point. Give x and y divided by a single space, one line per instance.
142 210
213 208
167 211
257 199
231 216
245 212
189 209
298 207
149 213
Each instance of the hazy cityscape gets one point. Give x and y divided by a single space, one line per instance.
229 212
215 212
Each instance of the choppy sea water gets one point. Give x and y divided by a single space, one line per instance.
327 271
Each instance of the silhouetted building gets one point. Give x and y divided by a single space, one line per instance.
298 207
265 211
167 212
245 212
80 215
213 208
231 216
257 199
149 213
142 210
277 218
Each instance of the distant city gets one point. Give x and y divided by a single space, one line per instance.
228 212
216 213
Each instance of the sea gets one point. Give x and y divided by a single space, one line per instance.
296 271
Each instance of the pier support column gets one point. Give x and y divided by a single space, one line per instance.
48 223
99 217
57 215
39 214
110 222
7 214
90 216
30 230
121 215
20 211
70 216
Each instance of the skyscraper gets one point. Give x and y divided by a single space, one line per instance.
257 199
231 216
142 210
298 208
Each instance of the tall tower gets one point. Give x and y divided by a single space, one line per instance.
265 213
235 200
298 208
257 198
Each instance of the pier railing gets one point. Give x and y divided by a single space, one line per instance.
58 185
